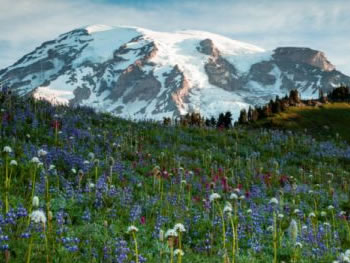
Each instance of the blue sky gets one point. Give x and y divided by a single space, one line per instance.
319 24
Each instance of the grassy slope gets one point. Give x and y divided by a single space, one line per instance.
315 119
242 157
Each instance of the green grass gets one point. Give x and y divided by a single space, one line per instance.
324 121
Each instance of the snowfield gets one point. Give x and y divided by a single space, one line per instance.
95 58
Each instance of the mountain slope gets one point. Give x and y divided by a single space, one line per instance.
139 73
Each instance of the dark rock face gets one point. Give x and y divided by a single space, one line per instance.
298 68
207 47
220 72
303 56
223 74
179 88
260 72
134 84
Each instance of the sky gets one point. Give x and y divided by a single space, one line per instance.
319 24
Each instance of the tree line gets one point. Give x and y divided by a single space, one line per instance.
253 114
340 94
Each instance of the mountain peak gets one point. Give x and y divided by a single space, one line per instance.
304 55
144 74
97 28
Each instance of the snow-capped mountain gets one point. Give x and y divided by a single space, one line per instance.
142 74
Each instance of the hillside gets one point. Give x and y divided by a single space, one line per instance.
80 186
324 121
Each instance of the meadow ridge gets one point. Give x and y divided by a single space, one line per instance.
324 121
81 186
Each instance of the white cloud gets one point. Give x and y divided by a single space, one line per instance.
320 24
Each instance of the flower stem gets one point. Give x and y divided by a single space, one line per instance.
136 248
29 253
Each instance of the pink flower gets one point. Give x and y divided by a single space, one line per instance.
143 220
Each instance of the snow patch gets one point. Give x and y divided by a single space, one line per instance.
56 97
97 28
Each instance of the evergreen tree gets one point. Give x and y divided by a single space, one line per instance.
212 122
255 115
250 113
207 122
228 120
220 122
243 117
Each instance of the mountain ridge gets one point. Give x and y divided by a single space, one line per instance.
143 74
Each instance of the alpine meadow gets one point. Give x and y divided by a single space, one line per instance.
165 132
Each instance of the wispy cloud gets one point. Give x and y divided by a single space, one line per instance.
320 24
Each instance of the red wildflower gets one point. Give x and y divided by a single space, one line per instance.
143 220
56 124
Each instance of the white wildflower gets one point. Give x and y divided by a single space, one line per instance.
228 208
74 171
298 245
312 214
270 228
179 252
234 196
237 190
7 149
344 258
280 216
132 229
52 167
326 224
249 211
296 211
179 227
13 163
330 207
35 201
273 201
42 153
170 233
242 197
214 196
38 216
35 160
323 213
347 253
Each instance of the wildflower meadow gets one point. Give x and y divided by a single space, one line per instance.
81 186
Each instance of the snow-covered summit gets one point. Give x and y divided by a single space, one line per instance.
139 73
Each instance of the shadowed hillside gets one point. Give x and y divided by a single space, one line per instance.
326 120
